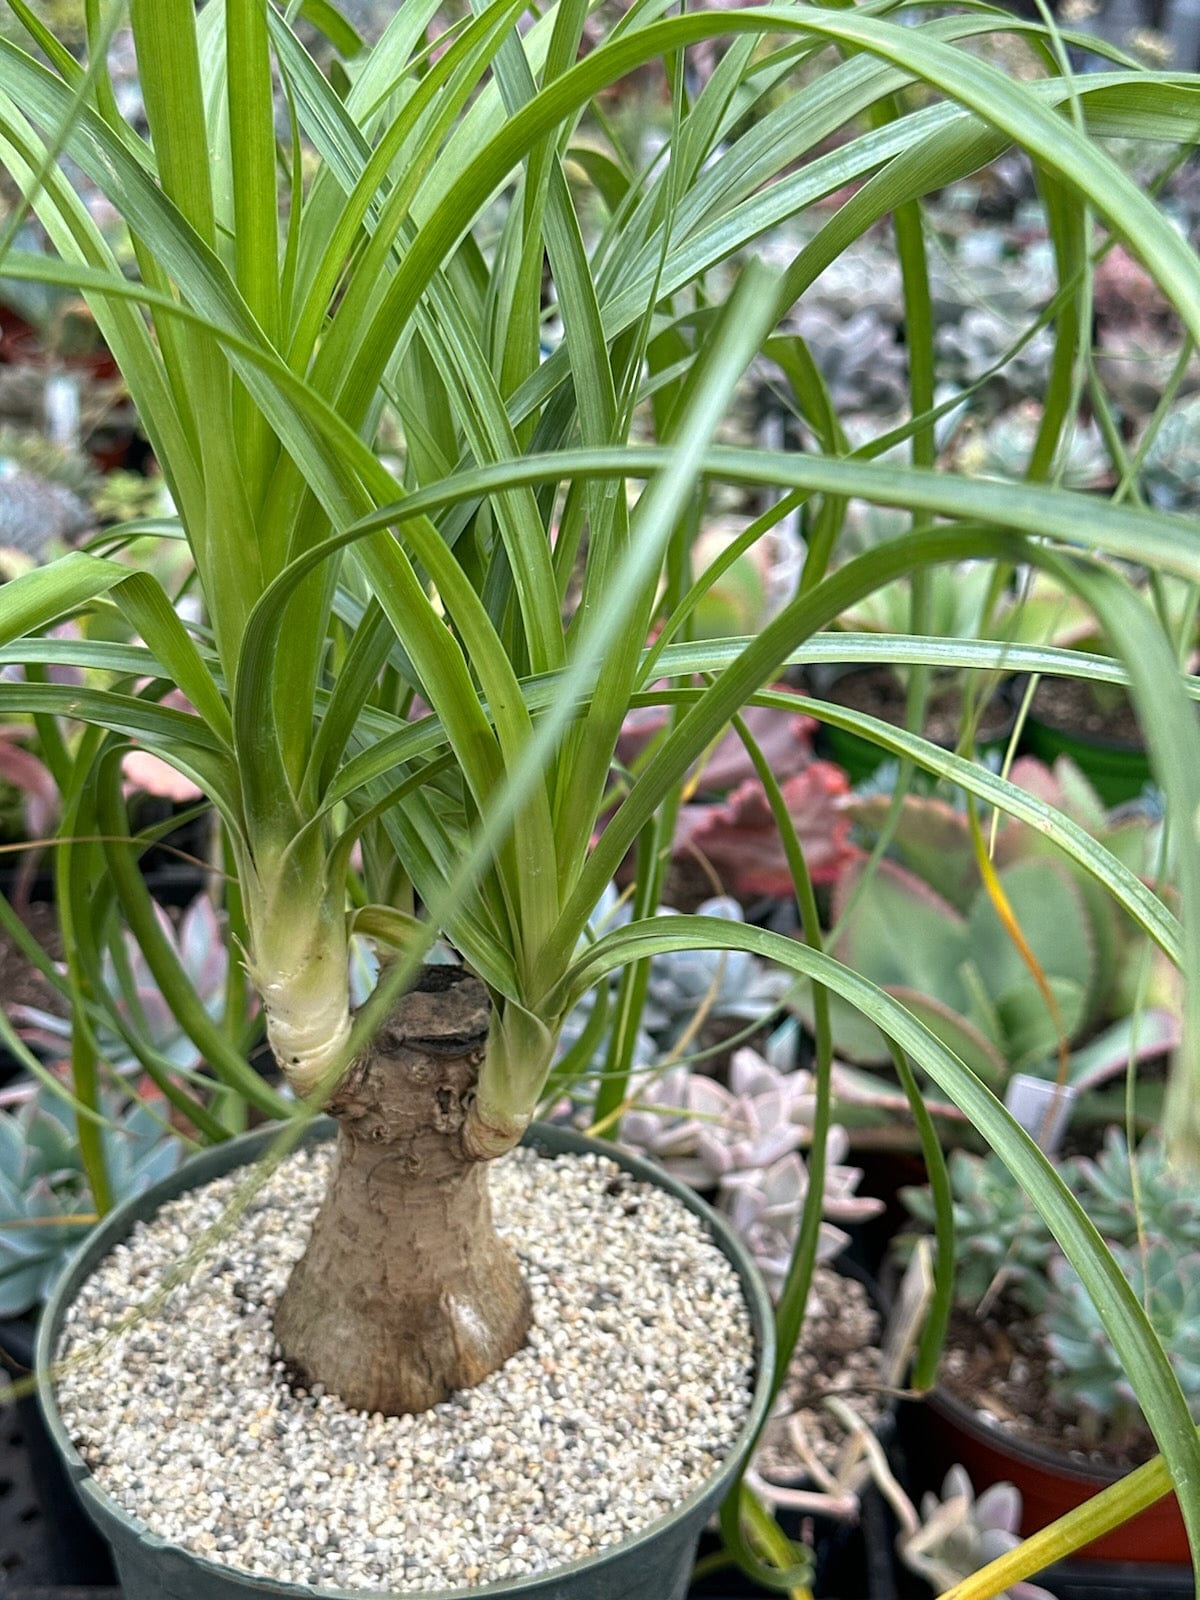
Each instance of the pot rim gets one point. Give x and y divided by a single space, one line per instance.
241 1151
1028 1451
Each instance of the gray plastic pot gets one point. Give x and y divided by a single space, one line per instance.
654 1565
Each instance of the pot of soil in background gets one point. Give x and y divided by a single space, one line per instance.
1095 725
879 692
333 1501
1030 1388
1051 1480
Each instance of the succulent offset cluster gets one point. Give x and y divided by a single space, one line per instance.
1149 1218
1000 1240
744 1141
1139 1197
46 1206
1087 1372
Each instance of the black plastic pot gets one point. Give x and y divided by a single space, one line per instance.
44 1535
655 1565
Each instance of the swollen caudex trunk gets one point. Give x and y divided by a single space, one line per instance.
406 1292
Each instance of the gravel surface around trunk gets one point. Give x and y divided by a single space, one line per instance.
631 1391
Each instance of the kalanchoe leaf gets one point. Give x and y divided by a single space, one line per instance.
784 737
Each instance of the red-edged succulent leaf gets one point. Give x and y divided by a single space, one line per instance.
785 738
742 844
22 769
932 839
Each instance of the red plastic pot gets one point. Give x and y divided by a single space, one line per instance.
1051 1484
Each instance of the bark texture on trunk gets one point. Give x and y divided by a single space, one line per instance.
406 1292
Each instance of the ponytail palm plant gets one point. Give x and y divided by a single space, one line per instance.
391 328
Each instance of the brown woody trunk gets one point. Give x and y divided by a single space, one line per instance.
406 1292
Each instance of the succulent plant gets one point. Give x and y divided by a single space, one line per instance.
1135 361
738 837
956 965
1171 467
785 738
46 1205
764 1206
1157 1203
860 357
1000 1240
751 591
958 602
959 1533
671 1110
984 273
730 983
702 1131
972 346
1003 449
1087 1375
201 948
744 1141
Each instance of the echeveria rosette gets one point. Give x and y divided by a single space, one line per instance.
1087 1375
1130 1193
46 1206
960 1532
765 1207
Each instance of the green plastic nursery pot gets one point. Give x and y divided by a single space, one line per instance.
1118 771
653 1565
859 758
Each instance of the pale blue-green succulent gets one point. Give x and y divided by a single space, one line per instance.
1087 1374
1000 1241
46 1206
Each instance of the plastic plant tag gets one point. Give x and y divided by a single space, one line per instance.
907 1316
1043 1109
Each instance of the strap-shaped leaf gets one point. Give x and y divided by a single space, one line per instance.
1142 1356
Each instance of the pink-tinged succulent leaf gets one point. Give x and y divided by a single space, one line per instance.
740 841
671 1112
750 1074
1062 786
931 839
1142 1037
999 1507
22 769
785 738
150 774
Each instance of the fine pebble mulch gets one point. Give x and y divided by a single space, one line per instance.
631 1390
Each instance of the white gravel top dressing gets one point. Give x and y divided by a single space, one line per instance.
630 1392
